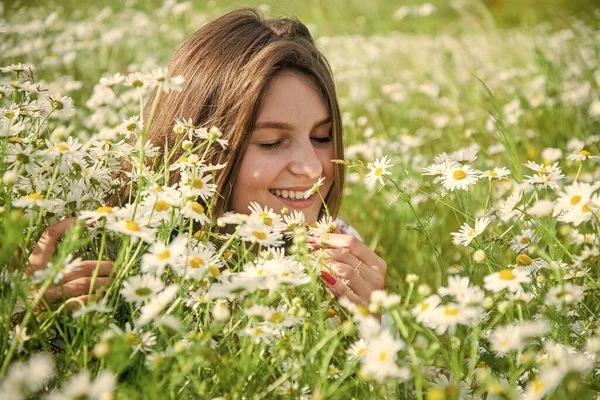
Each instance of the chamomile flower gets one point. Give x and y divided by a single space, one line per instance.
496 173
133 229
524 240
60 107
510 279
33 200
438 169
357 350
81 386
169 83
196 263
325 225
446 317
582 155
466 234
565 295
459 177
139 288
573 205
315 188
98 214
547 176
377 170
157 304
197 186
424 311
195 211
380 357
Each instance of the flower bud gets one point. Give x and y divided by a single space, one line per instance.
412 278
424 290
187 144
10 178
479 256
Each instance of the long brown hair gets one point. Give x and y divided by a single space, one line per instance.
227 65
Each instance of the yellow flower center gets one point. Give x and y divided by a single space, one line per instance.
104 209
276 317
158 189
575 199
585 208
266 219
35 196
472 232
361 352
164 255
543 170
143 291
197 207
523 260
259 235
132 338
584 153
493 174
451 311
459 174
383 356
161 205
196 262
62 147
424 306
214 270
334 371
507 275
197 183
538 385
378 171
132 226
525 240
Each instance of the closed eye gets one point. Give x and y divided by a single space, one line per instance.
273 145
322 140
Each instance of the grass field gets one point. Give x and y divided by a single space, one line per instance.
439 88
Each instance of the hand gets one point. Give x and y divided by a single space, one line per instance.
75 285
346 257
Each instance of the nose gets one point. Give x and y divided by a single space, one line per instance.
305 161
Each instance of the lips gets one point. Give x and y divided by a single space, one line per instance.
295 203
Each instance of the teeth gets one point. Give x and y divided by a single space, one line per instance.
289 194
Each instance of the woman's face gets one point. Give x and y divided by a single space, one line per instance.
290 148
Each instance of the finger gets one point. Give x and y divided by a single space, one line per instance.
340 290
355 281
356 247
76 288
46 245
87 268
342 255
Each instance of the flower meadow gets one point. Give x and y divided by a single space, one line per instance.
473 169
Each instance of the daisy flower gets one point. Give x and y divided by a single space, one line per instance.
61 107
197 186
357 350
33 200
267 215
81 386
423 312
459 177
169 83
257 232
380 357
466 234
196 263
195 211
582 155
524 240
547 175
136 80
139 288
496 173
132 229
157 303
510 279
315 188
325 225
377 170
99 213
447 316
573 205
565 295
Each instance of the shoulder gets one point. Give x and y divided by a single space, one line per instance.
346 229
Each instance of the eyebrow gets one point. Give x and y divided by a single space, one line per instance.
285 126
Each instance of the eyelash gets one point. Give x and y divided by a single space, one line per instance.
274 145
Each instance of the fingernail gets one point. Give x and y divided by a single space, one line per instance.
328 278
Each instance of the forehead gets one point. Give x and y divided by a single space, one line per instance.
293 97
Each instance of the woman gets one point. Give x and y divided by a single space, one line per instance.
268 88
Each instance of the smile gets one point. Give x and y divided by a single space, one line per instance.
293 198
